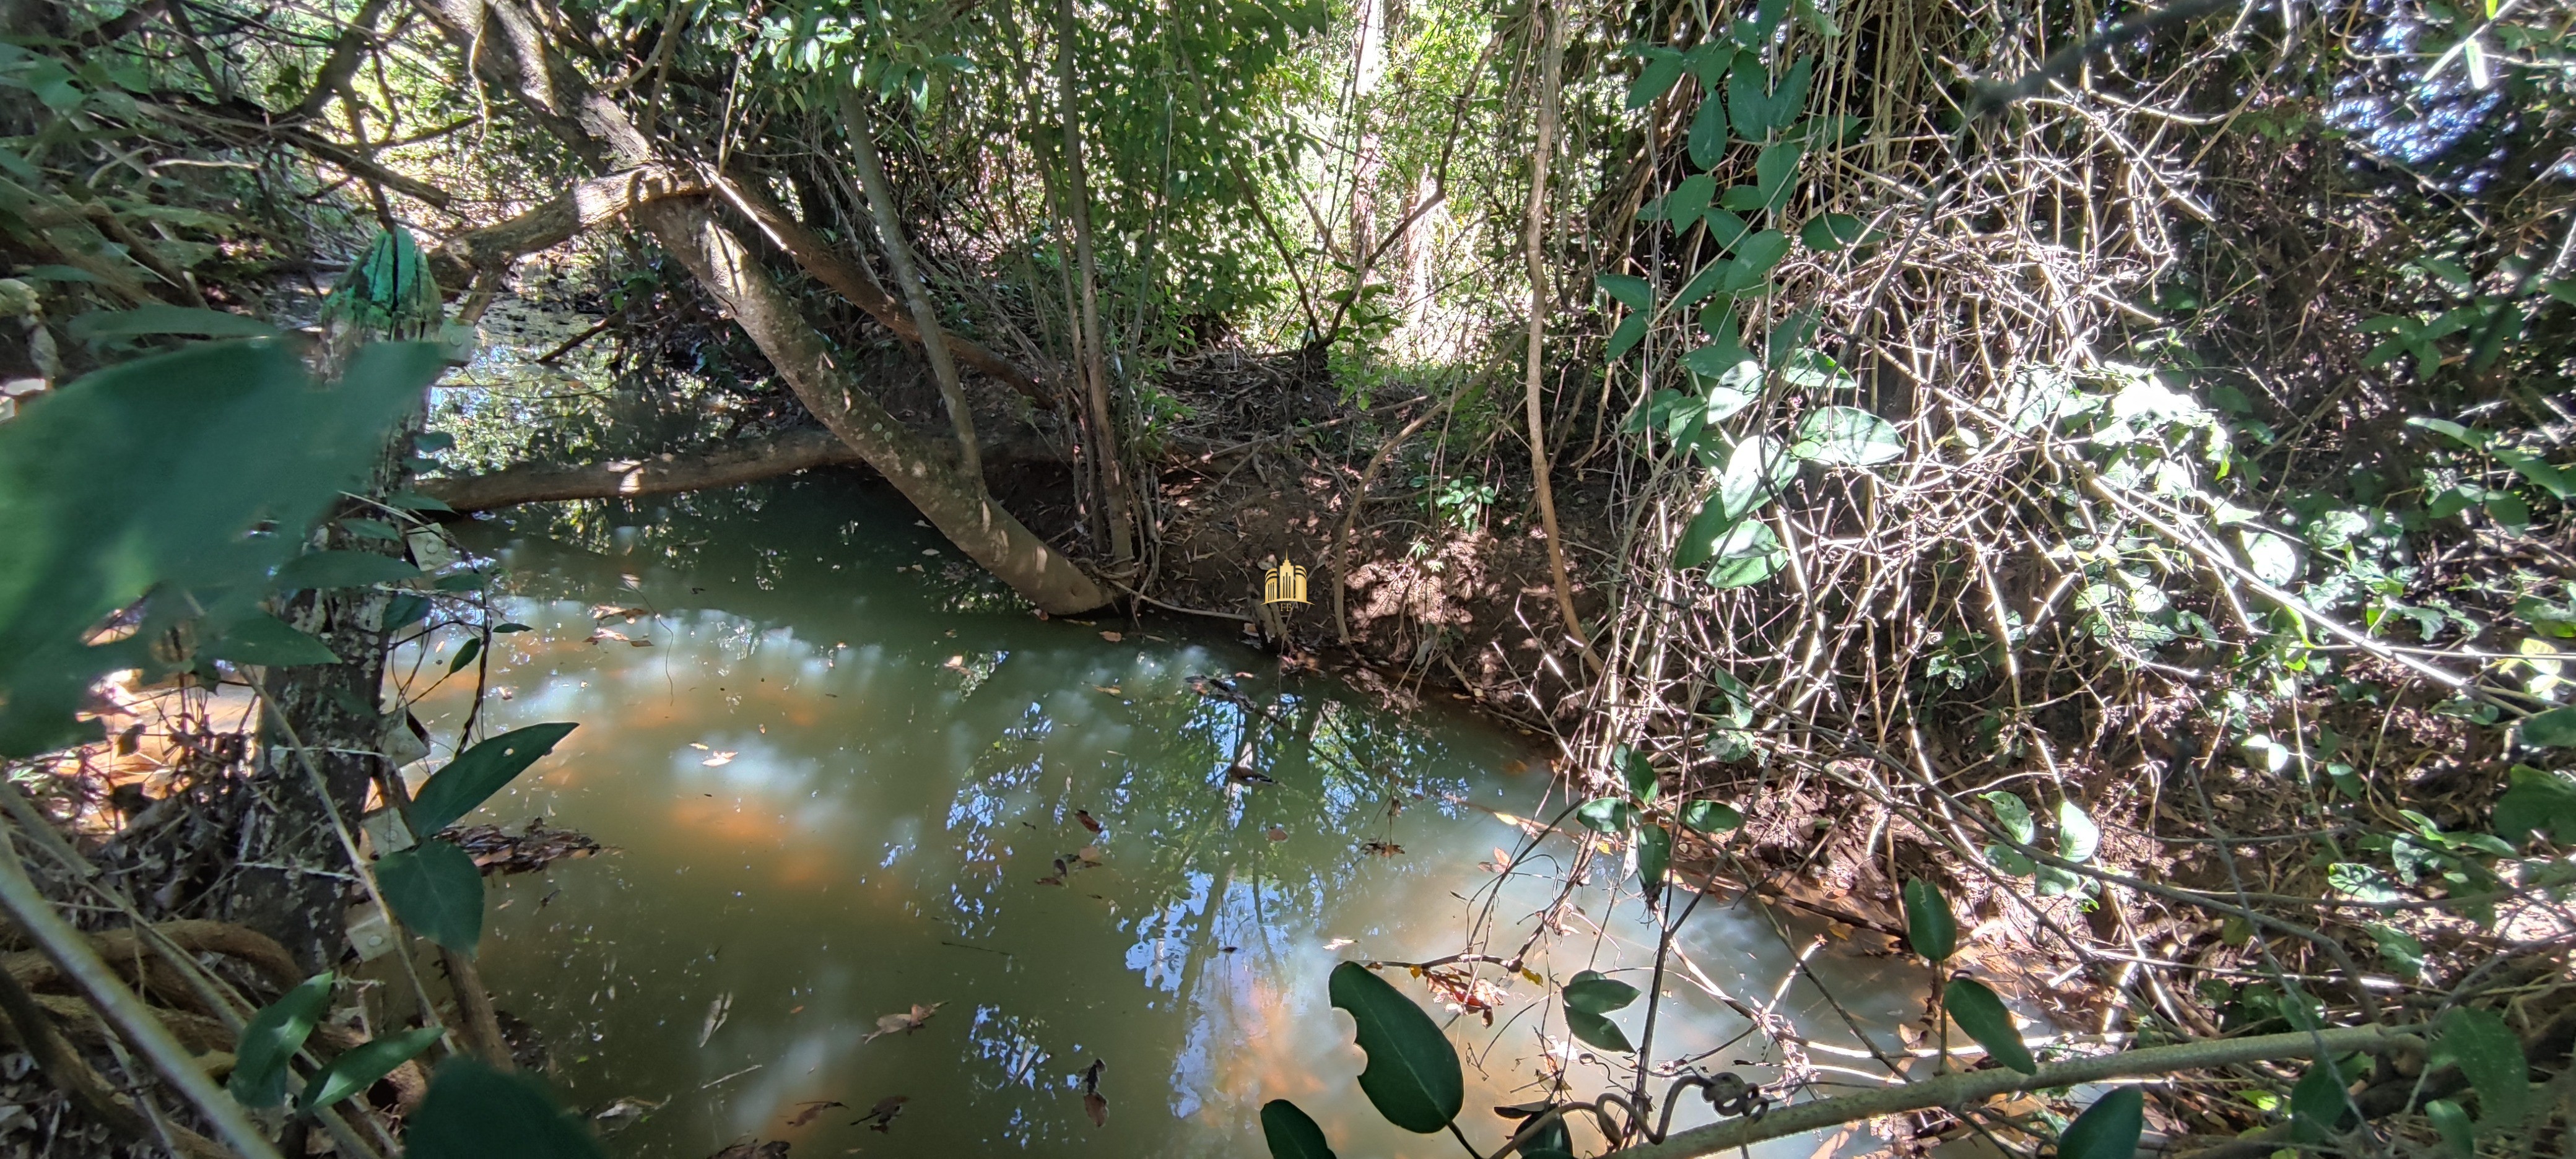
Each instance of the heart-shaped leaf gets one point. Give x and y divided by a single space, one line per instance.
479 772
1413 1077
1748 555
436 890
1981 1013
1663 69
1290 1133
1593 993
1929 926
1725 229
1604 815
2320 1105
1708 133
273 1037
1597 1031
2077 836
1845 436
1631 331
2013 814
1689 200
1629 290
1712 817
2108 1129
1831 231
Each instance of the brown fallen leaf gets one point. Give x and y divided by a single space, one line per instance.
1112 637
881 1116
811 1110
1088 821
1093 1103
1088 855
904 1022
1277 834
774 1149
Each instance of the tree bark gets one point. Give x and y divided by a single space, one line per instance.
1095 365
745 461
934 341
492 248
855 284
965 513
1553 56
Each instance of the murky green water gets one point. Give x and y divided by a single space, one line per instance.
839 783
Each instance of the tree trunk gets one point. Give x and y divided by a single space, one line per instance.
960 510
514 56
1552 58
898 251
1095 364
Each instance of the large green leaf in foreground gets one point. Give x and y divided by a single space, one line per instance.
1413 1076
195 470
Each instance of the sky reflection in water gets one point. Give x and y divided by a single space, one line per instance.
906 763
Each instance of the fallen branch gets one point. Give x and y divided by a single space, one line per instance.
746 461
1977 1085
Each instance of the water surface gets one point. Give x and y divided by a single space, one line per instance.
844 775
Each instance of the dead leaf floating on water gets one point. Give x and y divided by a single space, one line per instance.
623 1113
755 1149
1093 1103
1112 637
903 1023
718 759
1383 848
811 1110
1277 834
1088 821
717 1012
881 1116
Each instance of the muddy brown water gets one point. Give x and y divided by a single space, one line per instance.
838 771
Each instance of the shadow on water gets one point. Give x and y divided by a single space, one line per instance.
843 774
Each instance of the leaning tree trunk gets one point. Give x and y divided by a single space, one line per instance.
504 44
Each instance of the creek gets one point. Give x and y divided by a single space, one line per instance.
842 774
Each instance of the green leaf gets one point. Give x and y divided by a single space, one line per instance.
2108 1129
1663 70
2399 949
1742 199
1929 926
475 1112
1708 133
1689 200
1412 1077
2012 814
2452 1124
1638 772
1757 253
2555 728
1597 1031
2490 1056
1725 229
436 890
1979 1012
2558 481
2537 800
1604 815
1654 858
2320 1108
1290 1133
260 638
465 655
415 501
2011 861
2077 836
479 772
1712 817
1831 231
162 318
1593 993
1629 290
1748 555
273 1037
1748 97
1631 331
1845 436
1773 168
156 473
321 570
2272 558
360 1066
